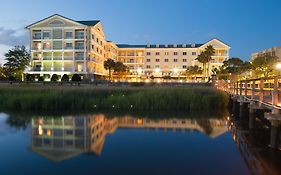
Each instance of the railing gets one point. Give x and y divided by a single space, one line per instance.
266 91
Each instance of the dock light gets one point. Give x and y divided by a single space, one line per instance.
278 66
228 118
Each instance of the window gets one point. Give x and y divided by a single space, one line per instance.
37 35
147 60
184 53
79 34
46 35
184 60
166 60
166 53
147 53
68 35
93 36
175 60
157 53
97 40
93 47
184 66
131 61
68 46
57 45
175 53
157 60
193 53
148 66
57 34
157 66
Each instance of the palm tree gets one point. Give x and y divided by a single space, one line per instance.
210 51
202 58
205 57
109 65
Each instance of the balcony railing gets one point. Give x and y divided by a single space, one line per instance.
79 36
57 58
68 57
79 58
79 47
47 57
36 37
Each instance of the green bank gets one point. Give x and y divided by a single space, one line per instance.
71 98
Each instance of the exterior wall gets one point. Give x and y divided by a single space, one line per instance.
161 60
274 51
54 50
82 53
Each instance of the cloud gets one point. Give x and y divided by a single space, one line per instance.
12 37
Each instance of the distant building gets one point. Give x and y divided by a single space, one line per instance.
60 45
274 51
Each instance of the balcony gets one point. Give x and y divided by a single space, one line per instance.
57 58
79 36
37 37
79 47
79 58
47 57
68 57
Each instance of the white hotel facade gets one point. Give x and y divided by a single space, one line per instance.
60 45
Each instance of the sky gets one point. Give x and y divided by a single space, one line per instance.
246 25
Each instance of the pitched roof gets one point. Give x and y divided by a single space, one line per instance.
130 46
160 46
87 23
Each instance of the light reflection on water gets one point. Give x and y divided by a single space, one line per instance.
105 144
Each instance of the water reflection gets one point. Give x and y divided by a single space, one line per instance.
61 138
253 146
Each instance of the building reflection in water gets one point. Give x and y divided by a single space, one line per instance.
253 146
61 138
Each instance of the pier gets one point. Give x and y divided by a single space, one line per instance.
256 98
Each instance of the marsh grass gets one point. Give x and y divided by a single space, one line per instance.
70 98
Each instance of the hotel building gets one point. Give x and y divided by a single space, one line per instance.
60 45
274 51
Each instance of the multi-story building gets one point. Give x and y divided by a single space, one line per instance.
274 51
60 45
169 60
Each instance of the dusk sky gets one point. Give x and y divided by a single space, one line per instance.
246 25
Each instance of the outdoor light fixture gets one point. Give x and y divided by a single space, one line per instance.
278 65
157 70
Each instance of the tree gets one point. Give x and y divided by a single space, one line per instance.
233 66
193 70
264 65
55 78
65 78
109 65
3 73
76 78
205 57
17 61
120 69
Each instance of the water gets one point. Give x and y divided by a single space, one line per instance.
104 144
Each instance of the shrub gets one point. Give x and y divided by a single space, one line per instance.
41 78
65 78
30 77
55 78
76 78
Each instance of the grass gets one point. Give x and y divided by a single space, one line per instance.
71 98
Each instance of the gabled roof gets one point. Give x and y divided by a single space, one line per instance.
87 23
